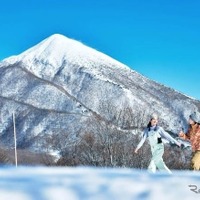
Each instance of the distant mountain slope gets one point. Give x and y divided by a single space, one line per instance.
55 86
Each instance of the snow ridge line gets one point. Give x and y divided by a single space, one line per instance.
43 109
60 88
65 92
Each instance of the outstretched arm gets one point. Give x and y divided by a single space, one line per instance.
167 136
184 136
141 142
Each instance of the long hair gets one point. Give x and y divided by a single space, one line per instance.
149 126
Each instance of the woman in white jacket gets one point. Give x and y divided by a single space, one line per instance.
155 134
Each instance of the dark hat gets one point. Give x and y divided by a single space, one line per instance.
195 117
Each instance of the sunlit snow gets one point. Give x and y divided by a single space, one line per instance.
84 183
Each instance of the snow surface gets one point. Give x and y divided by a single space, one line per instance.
83 72
67 183
60 83
58 49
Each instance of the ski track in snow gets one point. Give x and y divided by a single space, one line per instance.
68 183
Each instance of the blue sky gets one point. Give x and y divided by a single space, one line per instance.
160 39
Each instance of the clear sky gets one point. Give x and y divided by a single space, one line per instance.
158 38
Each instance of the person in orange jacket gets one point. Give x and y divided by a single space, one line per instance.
193 135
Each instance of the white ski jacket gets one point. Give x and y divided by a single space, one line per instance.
154 135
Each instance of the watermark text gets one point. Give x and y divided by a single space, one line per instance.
194 189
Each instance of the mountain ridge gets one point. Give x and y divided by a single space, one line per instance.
70 83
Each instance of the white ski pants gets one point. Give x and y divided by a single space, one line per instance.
157 160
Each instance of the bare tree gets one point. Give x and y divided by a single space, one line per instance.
111 143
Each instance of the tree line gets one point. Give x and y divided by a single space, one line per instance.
100 143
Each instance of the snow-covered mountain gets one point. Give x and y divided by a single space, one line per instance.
55 86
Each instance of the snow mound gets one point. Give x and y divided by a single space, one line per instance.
96 183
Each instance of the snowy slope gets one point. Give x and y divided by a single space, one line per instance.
55 86
96 184
56 50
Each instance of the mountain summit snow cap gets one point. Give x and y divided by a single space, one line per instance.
195 117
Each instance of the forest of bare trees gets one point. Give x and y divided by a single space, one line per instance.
101 143
104 144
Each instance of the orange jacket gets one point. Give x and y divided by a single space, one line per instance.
193 135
